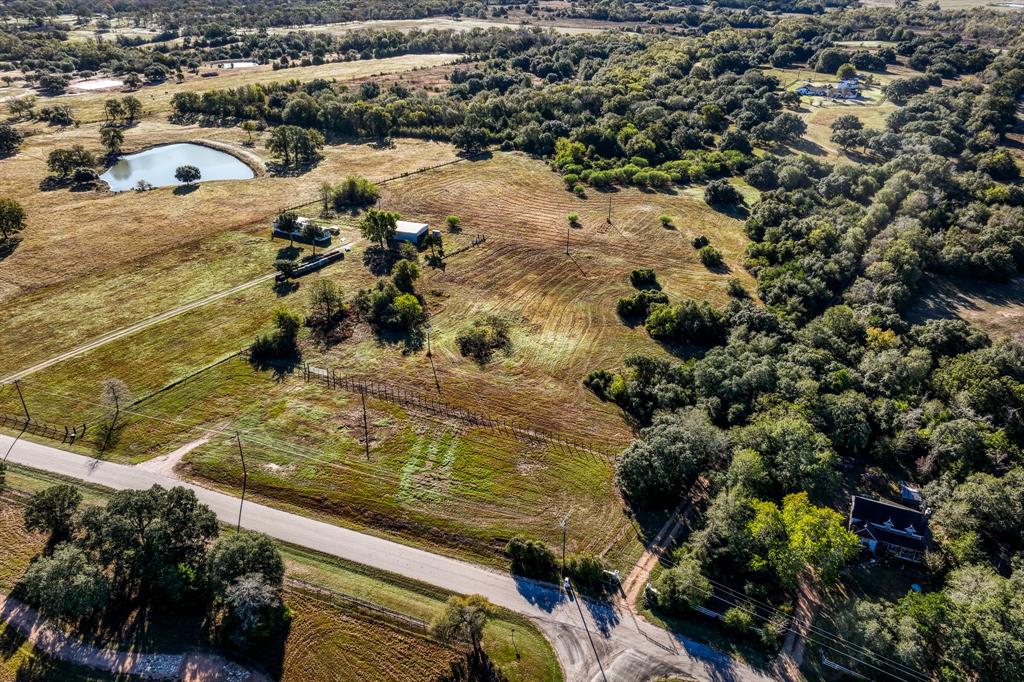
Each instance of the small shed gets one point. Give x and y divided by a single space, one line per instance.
406 231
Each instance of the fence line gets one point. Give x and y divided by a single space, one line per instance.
402 396
300 585
392 178
477 241
52 431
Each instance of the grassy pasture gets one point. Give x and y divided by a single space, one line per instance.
94 261
562 313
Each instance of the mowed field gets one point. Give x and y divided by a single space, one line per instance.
455 484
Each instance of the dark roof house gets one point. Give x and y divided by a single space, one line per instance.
900 530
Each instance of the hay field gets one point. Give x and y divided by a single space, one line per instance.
561 308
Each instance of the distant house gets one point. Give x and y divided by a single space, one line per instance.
899 530
297 235
847 89
406 231
812 90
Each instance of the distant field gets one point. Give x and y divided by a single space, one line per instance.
433 23
157 98
953 4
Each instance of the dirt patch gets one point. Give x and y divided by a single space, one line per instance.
166 464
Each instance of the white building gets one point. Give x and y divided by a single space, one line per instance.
406 231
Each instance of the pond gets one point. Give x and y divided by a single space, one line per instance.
157 165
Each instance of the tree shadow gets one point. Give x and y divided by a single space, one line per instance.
476 666
290 252
542 595
280 170
182 190
603 613
8 246
280 367
411 341
378 260
736 211
478 155
285 287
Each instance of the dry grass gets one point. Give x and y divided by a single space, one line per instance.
326 642
562 308
88 107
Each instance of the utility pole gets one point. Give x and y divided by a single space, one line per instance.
366 424
609 210
567 226
245 481
427 327
28 418
17 386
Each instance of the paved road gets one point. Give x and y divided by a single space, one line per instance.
595 642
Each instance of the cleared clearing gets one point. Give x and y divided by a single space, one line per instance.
996 307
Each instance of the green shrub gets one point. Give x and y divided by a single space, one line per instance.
682 587
532 558
639 305
721 193
355 191
587 573
643 277
710 256
686 322
736 289
573 218
483 337
700 241
599 381
665 220
738 621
